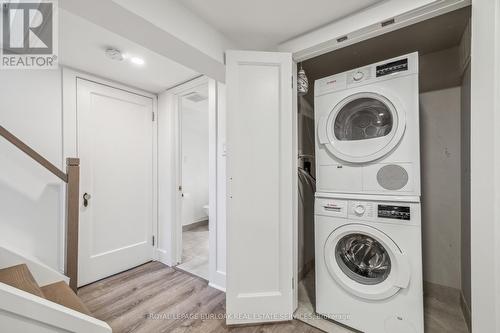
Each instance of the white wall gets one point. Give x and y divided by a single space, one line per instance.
167 184
440 174
30 196
194 129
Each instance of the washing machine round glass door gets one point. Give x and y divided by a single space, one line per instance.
363 127
366 262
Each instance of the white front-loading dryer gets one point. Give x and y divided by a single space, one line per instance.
367 129
369 262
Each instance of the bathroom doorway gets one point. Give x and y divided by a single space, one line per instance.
192 176
193 116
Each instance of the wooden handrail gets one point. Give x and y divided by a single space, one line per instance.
72 179
33 154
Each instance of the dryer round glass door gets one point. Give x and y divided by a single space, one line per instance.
366 262
363 127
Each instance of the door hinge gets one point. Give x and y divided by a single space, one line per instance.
292 81
153 117
293 283
153 240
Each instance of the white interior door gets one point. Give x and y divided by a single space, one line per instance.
115 146
262 184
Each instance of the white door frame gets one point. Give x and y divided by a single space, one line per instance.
325 40
485 166
174 224
178 93
70 139
366 24
485 158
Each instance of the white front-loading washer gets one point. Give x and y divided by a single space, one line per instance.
369 262
367 129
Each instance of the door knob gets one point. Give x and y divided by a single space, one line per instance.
86 198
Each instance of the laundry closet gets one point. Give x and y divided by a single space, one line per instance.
414 176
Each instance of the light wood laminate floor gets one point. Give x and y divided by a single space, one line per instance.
441 315
157 298
127 300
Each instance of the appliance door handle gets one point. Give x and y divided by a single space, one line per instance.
403 278
322 137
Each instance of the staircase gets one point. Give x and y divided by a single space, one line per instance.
36 298
20 277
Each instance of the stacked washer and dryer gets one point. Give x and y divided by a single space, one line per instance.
367 206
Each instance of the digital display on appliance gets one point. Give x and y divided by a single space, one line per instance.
394 212
392 67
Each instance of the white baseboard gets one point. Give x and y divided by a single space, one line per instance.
223 289
163 257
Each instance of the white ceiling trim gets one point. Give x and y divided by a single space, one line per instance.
367 24
135 28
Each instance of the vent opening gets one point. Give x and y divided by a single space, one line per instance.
341 39
195 97
388 22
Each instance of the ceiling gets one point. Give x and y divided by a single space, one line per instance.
82 45
263 24
427 37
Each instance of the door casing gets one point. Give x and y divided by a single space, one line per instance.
170 121
70 140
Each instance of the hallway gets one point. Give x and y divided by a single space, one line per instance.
157 298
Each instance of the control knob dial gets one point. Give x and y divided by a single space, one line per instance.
358 75
359 209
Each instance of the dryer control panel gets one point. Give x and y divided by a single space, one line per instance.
380 71
392 67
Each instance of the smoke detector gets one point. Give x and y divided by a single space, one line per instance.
114 54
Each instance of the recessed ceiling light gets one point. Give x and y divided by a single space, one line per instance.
137 61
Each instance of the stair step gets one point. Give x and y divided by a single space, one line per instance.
61 293
20 277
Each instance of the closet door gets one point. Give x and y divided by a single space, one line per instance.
262 183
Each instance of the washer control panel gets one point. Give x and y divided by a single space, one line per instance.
394 212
